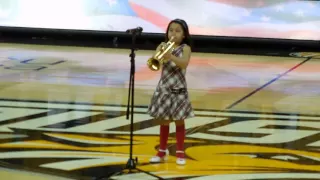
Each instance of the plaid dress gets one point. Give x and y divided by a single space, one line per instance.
171 101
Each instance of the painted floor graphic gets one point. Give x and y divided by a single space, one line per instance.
63 115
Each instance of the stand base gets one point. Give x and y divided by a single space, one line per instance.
131 167
131 164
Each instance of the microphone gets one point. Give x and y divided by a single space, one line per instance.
135 30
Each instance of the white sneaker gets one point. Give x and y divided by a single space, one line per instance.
180 161
157 159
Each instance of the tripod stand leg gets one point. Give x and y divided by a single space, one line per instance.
129 93
131 164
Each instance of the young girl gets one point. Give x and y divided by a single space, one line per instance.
170 101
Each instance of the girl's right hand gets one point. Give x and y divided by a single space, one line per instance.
162 44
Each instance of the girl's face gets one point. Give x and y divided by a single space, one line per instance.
176 30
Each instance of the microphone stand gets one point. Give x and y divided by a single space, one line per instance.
131 163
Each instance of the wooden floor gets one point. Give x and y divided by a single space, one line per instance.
62 112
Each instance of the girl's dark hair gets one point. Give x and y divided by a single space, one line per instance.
184 25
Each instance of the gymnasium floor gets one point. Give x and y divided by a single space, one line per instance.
63 116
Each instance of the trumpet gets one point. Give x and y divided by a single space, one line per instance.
157 60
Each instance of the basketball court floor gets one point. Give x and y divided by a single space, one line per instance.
63 116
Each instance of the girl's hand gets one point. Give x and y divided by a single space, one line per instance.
167 57
163 44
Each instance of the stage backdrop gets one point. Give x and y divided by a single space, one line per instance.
284 19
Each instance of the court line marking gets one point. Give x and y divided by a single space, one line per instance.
143 110
24 103
266 84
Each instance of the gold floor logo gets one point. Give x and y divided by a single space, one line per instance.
230 145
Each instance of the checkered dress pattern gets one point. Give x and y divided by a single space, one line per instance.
169 101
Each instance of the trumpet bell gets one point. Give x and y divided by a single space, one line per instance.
153 64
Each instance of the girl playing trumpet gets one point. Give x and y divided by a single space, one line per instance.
170 101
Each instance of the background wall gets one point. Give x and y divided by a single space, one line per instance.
288 19
245 25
